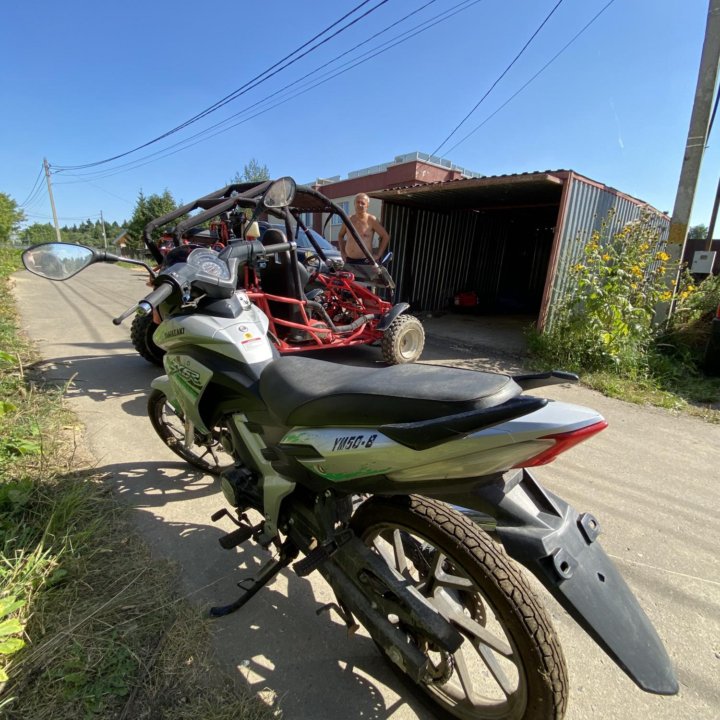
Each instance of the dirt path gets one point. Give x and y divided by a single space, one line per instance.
652 479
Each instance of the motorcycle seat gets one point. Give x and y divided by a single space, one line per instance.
305 391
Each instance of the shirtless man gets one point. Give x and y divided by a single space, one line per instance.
366 225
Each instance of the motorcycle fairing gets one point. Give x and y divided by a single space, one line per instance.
559 546
188 379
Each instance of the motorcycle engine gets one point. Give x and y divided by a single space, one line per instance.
240 488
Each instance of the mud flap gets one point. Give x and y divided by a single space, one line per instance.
548 536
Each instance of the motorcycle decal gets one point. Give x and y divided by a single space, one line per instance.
353 442
190 379
362 471
162 335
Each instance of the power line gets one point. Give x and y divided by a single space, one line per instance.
294 84
79 217
258 79
502 75
539 72
32 190
330 75
40 194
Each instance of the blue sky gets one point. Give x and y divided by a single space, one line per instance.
84 81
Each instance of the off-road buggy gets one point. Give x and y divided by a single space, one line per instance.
311 305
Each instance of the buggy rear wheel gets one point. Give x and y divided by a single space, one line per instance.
403 341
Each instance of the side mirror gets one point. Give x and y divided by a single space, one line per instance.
280 193
57 261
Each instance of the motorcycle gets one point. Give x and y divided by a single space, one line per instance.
408 488
311 305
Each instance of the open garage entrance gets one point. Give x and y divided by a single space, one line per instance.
496 247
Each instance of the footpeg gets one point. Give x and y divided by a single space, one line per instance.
311 562
236 537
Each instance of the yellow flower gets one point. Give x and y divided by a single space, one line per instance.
662 256
578 267
636 271
644 247
664 297
605 257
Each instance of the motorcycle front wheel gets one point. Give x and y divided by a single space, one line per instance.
207 454
510 664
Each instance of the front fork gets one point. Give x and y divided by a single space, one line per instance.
559 546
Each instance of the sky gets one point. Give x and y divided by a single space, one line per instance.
86 81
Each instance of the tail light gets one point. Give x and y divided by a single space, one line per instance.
717 314
561 443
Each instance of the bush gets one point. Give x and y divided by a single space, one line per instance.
605 321
688 330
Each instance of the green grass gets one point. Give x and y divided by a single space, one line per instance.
90 626
668 378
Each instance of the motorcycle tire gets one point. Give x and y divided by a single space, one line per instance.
141 335
403 341
510 664
207 454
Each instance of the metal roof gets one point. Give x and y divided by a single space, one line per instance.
527 189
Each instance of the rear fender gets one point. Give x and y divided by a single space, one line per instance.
559 546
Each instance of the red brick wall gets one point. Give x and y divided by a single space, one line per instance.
408 173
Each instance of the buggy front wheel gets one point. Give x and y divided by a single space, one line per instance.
403 341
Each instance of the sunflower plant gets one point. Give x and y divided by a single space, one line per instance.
606 320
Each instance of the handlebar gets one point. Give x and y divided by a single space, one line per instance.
150 301
234 255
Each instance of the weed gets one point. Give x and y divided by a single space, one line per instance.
90 626
604 328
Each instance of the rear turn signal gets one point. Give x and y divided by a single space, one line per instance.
562 442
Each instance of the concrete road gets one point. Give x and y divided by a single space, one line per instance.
652 479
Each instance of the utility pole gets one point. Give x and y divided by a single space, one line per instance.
46 165
713 219
102 222
697 135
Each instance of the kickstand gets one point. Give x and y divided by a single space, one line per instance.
288 553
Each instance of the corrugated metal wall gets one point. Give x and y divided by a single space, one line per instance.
431 253
438 254
503 254
588 206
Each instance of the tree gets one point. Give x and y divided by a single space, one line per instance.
10 217
148 208
38 233
253 171
697 232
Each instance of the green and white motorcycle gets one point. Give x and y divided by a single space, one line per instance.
375 480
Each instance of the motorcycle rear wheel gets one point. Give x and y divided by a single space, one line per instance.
207 454
141 335
510 664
